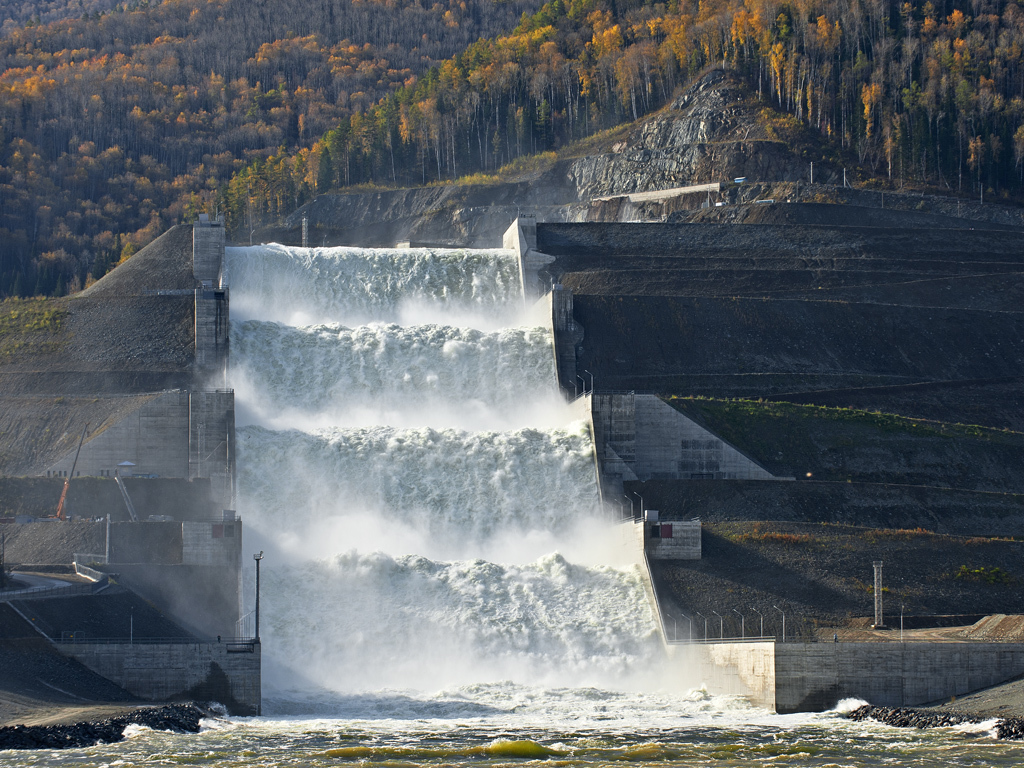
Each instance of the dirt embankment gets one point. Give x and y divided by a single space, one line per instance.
822 576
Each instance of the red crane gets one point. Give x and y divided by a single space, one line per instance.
67 480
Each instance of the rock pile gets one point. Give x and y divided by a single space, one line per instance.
181 718
902 717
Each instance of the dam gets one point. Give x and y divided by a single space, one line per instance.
407 461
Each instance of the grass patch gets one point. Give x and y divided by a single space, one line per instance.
993 575
27 326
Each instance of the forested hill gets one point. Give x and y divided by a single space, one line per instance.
114 128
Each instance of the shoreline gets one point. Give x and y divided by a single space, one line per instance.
1008 728
180 718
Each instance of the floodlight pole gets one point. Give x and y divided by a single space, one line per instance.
257 558
743 625
783 621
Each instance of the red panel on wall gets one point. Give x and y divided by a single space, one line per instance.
666 531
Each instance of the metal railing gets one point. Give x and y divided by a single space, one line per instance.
36 593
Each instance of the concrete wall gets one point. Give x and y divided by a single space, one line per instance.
671 539
212 543
208 238
178 434
200 671
815 677
521 237
204 599
211 430
745 669
640 437
153 438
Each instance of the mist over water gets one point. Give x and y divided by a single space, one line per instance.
427 502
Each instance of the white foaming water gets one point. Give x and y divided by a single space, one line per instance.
414 483
400 620
442 493
355 286
423 375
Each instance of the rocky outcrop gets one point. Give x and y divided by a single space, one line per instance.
180 718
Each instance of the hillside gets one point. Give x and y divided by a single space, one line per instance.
195 106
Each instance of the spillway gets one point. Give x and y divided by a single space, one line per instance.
428 505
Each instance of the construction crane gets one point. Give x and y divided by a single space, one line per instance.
67 480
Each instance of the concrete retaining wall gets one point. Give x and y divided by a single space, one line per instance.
671 539
814 677
200 671
640 437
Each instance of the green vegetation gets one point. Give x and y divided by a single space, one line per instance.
27 326
993 575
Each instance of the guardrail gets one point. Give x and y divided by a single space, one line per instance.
36 593
70 637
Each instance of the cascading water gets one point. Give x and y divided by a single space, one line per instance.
430 503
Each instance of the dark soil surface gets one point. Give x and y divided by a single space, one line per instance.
870 505
822 576
844 444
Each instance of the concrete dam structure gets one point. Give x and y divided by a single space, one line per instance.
157 457
652 323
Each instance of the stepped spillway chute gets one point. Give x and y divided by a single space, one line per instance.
354 286
407 462
384 373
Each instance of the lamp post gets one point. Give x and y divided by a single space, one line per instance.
705 624
641 503
762 620
743 624
783 621
257 558
721 625
591 380
689 626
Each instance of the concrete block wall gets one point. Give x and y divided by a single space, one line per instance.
566 333
672 539
212 336
212 543
208 238
746 669
211 437
176 434
817 676
168 672
814 677
640 437
154 438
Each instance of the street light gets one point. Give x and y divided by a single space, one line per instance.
762 620
591 380
689 624
783 621
257 558
705 624
641 502
721 625
743 624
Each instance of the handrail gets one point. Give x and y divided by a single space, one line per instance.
68 638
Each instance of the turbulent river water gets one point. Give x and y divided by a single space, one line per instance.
440 585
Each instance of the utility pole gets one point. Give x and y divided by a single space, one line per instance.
812 173
257 558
